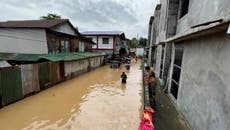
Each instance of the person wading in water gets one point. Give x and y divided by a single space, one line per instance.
123 78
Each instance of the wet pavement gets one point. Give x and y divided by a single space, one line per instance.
167 117
92 101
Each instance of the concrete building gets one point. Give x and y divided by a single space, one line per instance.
191 58
108 42
41 37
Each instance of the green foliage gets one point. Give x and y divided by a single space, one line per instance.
142 42
134 43
51 16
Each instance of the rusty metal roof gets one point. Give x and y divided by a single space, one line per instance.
33 23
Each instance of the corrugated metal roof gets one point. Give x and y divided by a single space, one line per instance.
5 56
62 57
89 54
32 23
50 57
102 33
26 57
19 57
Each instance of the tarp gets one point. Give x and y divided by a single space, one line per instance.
147 120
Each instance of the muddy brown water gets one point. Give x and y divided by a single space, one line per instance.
93 101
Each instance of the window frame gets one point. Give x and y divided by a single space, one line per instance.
65 46
176 71
105 38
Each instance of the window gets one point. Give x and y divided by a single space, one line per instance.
105 40
184 5
175 81
52 47
65 47
81 47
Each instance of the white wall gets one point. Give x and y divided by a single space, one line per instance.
105 46
31 41
139 51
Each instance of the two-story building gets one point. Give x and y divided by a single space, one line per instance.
41 37
192 57
109 42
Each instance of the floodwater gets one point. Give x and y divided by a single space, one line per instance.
94 101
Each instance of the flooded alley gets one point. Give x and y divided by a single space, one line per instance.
93 101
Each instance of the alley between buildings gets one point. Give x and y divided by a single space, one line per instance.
93 101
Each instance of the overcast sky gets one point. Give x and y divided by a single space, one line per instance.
130 16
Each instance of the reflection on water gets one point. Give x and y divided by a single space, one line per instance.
94 101
123 88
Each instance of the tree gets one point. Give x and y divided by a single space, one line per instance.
143 42
51 16
134 43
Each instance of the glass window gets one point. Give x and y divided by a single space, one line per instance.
65 47
175 81
81 47
105 40
52 47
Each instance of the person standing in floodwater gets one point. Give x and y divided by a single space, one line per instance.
123 78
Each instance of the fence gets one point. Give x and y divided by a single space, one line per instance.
30 80
44 75
17 82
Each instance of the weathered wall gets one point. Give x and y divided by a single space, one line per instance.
65 28
74 68
156 24
95 62
201 11
32 41
158 60
75 45
30 80
162 22
150 39
203 96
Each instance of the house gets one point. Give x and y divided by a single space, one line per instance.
109 42
41 37
190 55
81 44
